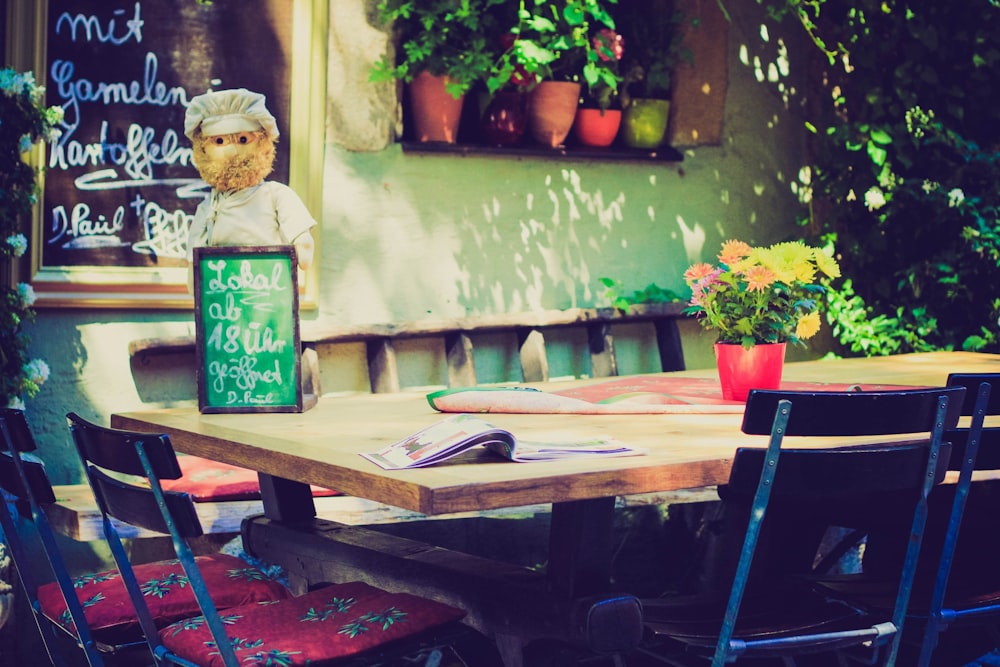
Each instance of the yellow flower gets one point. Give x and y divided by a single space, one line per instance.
733 251
808 325
777 262
826 264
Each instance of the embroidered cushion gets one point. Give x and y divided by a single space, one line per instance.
329 623
112 617
209 481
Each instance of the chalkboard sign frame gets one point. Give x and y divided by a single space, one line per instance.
163 285
288 359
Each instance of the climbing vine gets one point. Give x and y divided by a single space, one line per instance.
905 155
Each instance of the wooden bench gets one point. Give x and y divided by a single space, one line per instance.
76 514
458 339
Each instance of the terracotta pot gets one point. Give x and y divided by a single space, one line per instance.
594 127
551 111
505 118
742 369
436 113
644 122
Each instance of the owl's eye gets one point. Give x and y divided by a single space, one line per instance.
219 141
244 139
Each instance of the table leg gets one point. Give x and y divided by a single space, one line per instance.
286 500
511 650
580 546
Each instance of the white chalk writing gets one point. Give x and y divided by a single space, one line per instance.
245 278
92 30
245 331
117 156
72 92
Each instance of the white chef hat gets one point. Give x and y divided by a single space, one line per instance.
228 112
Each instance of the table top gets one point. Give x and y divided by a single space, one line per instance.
322 446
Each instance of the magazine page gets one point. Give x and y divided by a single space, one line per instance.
438 442
526 450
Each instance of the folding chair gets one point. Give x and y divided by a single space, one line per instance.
769 613
339 623
961 532
27 490
94 609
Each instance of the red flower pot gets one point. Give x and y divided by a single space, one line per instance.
505 118
742 369
594 127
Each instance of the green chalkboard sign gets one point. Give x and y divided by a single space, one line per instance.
247 329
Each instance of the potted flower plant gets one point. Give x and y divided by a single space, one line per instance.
443 48
757 300
599 116
552 45
654 40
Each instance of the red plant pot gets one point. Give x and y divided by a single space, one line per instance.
742 369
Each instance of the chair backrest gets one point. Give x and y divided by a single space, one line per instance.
988 457
853 413
913 465
149 457
971 382
27 485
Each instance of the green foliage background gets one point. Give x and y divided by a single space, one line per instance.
907 177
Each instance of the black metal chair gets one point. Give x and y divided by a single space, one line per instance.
339 623
767 612
958 582
26 486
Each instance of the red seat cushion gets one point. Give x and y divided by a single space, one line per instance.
329 623
112 617
211 481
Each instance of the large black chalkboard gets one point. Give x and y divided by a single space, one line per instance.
120 189
247 329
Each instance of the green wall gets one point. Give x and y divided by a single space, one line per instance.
413 236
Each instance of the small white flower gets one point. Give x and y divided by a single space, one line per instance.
27 294
930 186
19 244
955 197
36 371
55 114
874 198
16 403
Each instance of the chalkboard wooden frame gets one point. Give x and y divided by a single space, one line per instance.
113 282
247 296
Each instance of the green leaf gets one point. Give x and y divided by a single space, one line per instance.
880 137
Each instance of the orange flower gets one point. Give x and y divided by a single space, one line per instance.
733 251
698 272
759 278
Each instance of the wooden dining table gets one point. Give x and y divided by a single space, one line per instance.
512 603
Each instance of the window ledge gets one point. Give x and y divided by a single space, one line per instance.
612 153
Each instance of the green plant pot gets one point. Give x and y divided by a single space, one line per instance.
644 123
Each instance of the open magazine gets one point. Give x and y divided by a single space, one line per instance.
460 432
